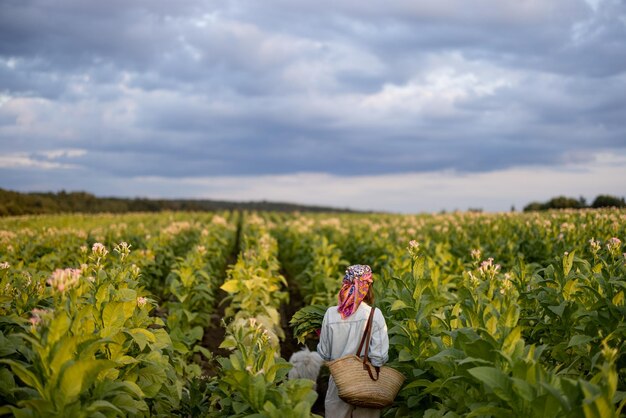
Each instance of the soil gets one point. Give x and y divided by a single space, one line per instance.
214 336
215 332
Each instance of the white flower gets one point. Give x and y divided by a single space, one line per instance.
99 250
4 265
123 249
141 301
595 245
414 248
613 245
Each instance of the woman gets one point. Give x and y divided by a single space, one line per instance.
342 330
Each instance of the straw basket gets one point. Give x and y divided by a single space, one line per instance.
356 386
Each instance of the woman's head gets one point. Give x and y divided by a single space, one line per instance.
355 288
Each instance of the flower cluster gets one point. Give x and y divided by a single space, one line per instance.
614 246
474 281
64 279
141 301
38 315
507 284
99 250
4 265
476 253
123 249
487 268
595 245
414 248
176 228
218 220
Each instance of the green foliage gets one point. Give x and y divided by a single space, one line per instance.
252 380
607 201
488 314
16 203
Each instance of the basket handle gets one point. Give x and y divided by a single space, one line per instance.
367 336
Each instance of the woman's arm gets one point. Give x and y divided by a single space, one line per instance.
379 344
324 347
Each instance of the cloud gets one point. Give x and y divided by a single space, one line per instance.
43 160
246 89
403 192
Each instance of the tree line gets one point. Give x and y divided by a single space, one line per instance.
14 203
562 202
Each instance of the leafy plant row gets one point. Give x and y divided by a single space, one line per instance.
500 315
252 380
80 341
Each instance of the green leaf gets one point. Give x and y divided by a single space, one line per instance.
142 337
405 355
230 286
103 405
126 295
523 389
577 340
25 375
58 328
558 309
113 318
63 352
398 304
495 380
568 260
491 411
78 377
256 392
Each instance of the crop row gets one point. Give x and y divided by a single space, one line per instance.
488 315
82 340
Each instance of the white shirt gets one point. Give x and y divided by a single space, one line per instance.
340 337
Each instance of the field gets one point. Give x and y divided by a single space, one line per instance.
195 314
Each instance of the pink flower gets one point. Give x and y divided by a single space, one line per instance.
64 279
37 315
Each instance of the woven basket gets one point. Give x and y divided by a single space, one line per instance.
357 388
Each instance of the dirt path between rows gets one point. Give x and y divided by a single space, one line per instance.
215 331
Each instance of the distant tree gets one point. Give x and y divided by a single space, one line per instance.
533 207
16 203
562 202
604 201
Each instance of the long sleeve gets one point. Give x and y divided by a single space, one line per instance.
379 344
324 347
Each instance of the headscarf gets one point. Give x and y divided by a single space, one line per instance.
356 284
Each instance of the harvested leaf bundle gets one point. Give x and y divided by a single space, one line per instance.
307 320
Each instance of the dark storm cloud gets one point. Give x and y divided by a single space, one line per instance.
204 88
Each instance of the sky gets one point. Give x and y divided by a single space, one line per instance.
403 106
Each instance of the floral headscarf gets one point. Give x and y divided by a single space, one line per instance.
356 283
